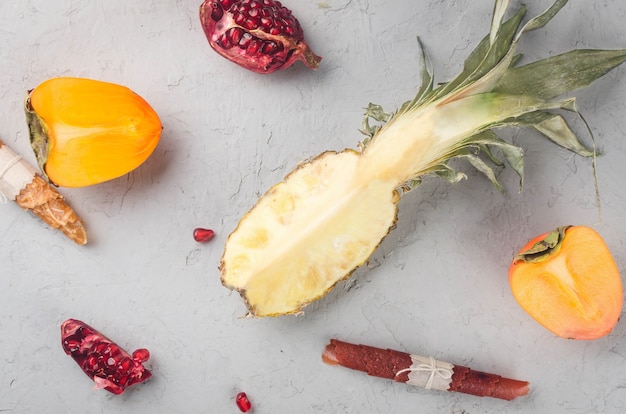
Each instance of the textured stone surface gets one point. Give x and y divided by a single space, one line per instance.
437 285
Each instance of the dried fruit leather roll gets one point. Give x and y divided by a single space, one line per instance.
425 372
20 182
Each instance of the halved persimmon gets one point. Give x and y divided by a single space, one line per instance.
567 280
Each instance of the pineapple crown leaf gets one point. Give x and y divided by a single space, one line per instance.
442 170
492 69
377 113
555 127
427 77
482 143
490 65
480 165
472 153
557 75
489 53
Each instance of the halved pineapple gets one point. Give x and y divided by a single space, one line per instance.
329 215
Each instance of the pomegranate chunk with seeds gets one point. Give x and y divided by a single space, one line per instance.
107 364
260 35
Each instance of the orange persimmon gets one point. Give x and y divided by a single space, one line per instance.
567 280
85 131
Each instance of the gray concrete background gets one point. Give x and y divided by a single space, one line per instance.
437 285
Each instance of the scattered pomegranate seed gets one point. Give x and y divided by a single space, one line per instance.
243 402
109 366
141 355
260 35
203 235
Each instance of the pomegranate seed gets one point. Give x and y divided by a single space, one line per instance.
100 348
141 355
109 366
243 402
235 34
71 344
269 48
125 364
203 235
262 21
124 380
250 24
224 42
92 362
216 12
112 349
245 40
254 47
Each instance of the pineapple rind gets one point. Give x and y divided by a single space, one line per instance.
307 233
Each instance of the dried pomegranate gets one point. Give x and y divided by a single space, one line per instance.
107 364
260 35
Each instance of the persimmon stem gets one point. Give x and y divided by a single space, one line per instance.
545 247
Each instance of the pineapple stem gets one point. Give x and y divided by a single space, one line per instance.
414 142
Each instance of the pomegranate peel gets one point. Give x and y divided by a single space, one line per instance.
567 280
260 35
109 366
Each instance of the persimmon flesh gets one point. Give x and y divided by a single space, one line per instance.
567 280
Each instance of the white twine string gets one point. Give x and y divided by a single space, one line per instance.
431 368
4 170
10 165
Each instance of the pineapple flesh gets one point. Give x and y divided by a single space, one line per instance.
307 233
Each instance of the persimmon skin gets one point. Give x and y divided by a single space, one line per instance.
574 288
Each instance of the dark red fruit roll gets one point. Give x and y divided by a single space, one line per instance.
425 372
